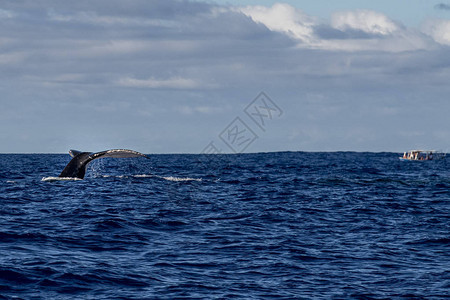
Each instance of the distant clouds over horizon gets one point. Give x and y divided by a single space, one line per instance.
168 76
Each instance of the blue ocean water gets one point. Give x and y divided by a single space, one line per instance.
288 225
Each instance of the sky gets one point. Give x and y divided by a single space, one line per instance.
224 76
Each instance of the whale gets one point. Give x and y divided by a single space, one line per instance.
76 168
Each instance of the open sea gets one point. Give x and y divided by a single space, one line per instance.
286 225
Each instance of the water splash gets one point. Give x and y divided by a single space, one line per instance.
169 178
52 178
177 179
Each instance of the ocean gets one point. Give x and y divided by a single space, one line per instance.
285 225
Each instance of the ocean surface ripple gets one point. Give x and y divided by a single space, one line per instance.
287 225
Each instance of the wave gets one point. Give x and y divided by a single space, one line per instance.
168 178
171 178
52 178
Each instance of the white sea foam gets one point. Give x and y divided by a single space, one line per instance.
144 176
169 178
60 179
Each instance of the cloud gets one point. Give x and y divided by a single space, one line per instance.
439 30
189 110
11 58
283 18
359 30
442 6
94 18
152 83
366 21
6 14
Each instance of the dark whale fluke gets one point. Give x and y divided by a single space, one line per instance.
76 168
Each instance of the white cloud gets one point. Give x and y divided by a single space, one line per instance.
153 83
439 30
283 18
381 33
364 20
401 41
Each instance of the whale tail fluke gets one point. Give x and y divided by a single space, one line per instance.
117 153
76 168
74 153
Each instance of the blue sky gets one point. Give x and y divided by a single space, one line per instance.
175 76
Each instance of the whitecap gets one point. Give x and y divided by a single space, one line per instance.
144 176
168 178
171 178
51 178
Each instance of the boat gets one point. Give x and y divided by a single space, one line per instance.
421 155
